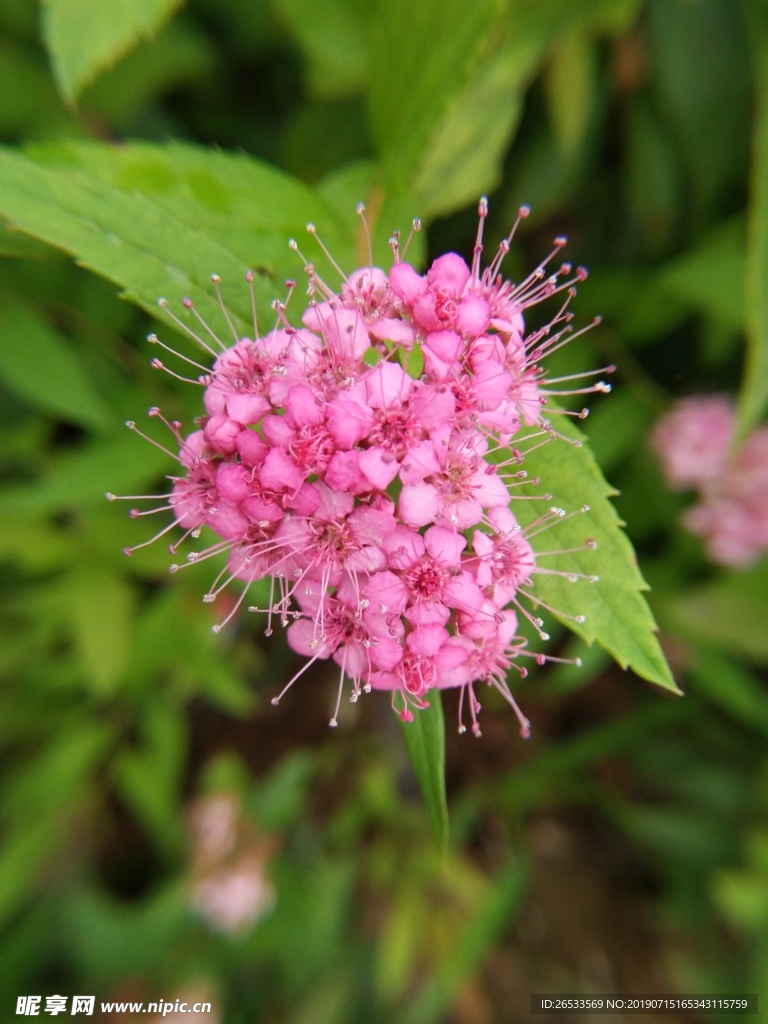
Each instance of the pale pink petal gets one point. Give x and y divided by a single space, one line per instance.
403 547
379 466
348 421
279 472
221 434
302 407
343 473
387 385
427 639
246 409
444 545
251 448
473 316
418 504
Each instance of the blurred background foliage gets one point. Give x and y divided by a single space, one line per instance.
165 830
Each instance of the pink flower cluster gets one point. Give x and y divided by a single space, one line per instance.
694 443
376 500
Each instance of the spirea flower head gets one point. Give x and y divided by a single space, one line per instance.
362 460
695 445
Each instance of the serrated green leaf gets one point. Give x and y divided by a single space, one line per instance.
425 740
753 397
41 366
161 219
464 152
86 36
410 109
617 613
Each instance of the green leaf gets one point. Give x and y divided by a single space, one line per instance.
86 36
333 38
571 84
493 914
710 277
161 219
728 683
41 366
425 740
181 57
753 396
728 613
464 151
100 606
23 855
82 477
617 613
441 125
148 778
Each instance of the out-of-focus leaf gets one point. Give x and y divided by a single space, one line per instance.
560 767
179 56
33 544
280 798
742 892
385 212
699 67
617 613
21 247
492 915
710 277
148 778
41 366
425 740
753 396
84 476
100 606
654 179
111 937
689 838
617 428
53 780
732 686
24 853
333 37
86 36
730 613
406 105
571 81
161 219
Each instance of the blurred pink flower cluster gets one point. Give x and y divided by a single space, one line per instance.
694 443
230 888
362 463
